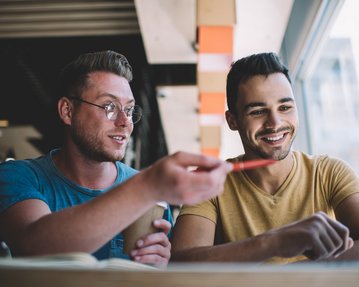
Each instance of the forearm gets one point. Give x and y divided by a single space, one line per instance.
254 249
85 227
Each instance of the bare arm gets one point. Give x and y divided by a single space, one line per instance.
348 213
193 239
317 236
29 227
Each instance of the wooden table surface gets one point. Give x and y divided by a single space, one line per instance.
196 275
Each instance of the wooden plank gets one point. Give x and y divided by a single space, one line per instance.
192 275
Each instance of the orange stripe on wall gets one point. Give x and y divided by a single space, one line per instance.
210 151
216 39
212 103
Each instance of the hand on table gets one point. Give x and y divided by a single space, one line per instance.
317 237
155 248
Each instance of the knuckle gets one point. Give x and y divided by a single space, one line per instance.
177 155
318 216
163 237
345 232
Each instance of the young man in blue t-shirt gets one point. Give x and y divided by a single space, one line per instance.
80 197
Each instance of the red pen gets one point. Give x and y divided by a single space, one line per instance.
251 164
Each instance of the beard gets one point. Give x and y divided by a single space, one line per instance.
276 153
91 145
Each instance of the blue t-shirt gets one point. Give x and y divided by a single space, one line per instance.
40 179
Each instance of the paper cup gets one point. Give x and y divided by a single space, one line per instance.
142 226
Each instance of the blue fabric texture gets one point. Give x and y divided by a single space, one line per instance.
40 179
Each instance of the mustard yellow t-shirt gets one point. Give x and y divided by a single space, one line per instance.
315 183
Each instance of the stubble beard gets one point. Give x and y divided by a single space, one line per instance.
92 147
276 153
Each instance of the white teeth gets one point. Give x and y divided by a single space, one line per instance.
274 138
118 138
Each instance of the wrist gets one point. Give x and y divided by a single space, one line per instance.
143 184
268 244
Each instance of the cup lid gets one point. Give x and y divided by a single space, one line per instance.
162 203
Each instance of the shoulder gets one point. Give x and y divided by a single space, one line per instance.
28 171
19 180
319 158
324 163
18 167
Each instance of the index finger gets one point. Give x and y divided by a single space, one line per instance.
163 225
202 162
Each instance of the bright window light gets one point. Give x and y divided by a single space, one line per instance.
332 90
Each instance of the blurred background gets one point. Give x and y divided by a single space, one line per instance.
181 51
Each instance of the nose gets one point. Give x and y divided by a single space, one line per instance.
273 120
122 119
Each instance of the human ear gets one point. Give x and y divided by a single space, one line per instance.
64 107
231 120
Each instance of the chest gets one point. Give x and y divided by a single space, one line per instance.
245 210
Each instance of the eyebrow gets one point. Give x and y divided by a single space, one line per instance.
263 104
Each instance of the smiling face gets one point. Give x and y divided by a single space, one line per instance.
266 117
95 136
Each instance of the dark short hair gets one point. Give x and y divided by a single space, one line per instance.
244 69
73 77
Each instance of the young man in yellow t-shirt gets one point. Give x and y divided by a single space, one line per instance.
300 207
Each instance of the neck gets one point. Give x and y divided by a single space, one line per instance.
84 171
270 178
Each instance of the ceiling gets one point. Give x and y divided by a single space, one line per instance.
41 18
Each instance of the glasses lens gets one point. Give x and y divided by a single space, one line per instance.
136 114
111 111
132 113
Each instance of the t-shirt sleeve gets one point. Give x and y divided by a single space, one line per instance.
341 181
18 182
205 209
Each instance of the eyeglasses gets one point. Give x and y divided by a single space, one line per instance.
133 113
